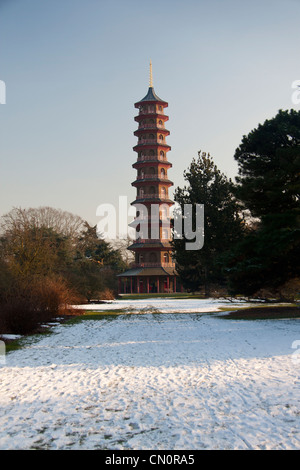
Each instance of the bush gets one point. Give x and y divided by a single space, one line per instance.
107 294
29 305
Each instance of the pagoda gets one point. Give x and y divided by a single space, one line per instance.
153 270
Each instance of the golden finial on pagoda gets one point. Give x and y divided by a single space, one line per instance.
151 77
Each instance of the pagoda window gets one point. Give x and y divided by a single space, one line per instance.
162 173
165 234
166 258
151 153
162 155
152 258
163 192
164 212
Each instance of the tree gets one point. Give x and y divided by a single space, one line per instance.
50 259
222 224
62 222
268 184
91 246
31 247
268 166
95 265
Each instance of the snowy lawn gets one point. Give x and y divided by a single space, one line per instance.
155 381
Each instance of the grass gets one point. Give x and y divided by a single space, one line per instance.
96 315
92 315
15 344
250 313
263 313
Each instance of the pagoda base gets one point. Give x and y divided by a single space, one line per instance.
148 280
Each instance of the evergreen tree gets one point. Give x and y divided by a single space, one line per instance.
268 159
95 265
222 224
268 185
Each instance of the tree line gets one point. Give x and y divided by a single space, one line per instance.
252 226
49 260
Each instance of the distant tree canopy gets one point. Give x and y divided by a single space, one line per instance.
43 242
62 222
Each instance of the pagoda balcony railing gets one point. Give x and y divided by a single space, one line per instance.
152 196
145 158
152 240
153 265
151 177
151 141
151 218
150 110
154 125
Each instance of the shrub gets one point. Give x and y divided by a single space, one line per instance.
107 294
30 304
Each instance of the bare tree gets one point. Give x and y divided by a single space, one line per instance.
122 246
62 222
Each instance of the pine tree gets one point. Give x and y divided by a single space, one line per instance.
222 224
268 185
269 166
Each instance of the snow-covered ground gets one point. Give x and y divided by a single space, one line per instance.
151 381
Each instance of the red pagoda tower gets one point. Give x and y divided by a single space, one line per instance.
154 269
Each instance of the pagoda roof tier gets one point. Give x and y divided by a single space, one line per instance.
150 98
142 116
146 163
145 271
150 144
146 181
145 130
151 199
150 245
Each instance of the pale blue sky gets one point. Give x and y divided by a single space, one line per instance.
74 69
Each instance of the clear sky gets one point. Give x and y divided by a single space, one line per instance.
73 70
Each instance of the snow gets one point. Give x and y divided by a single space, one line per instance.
164 305
10 337
186 379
